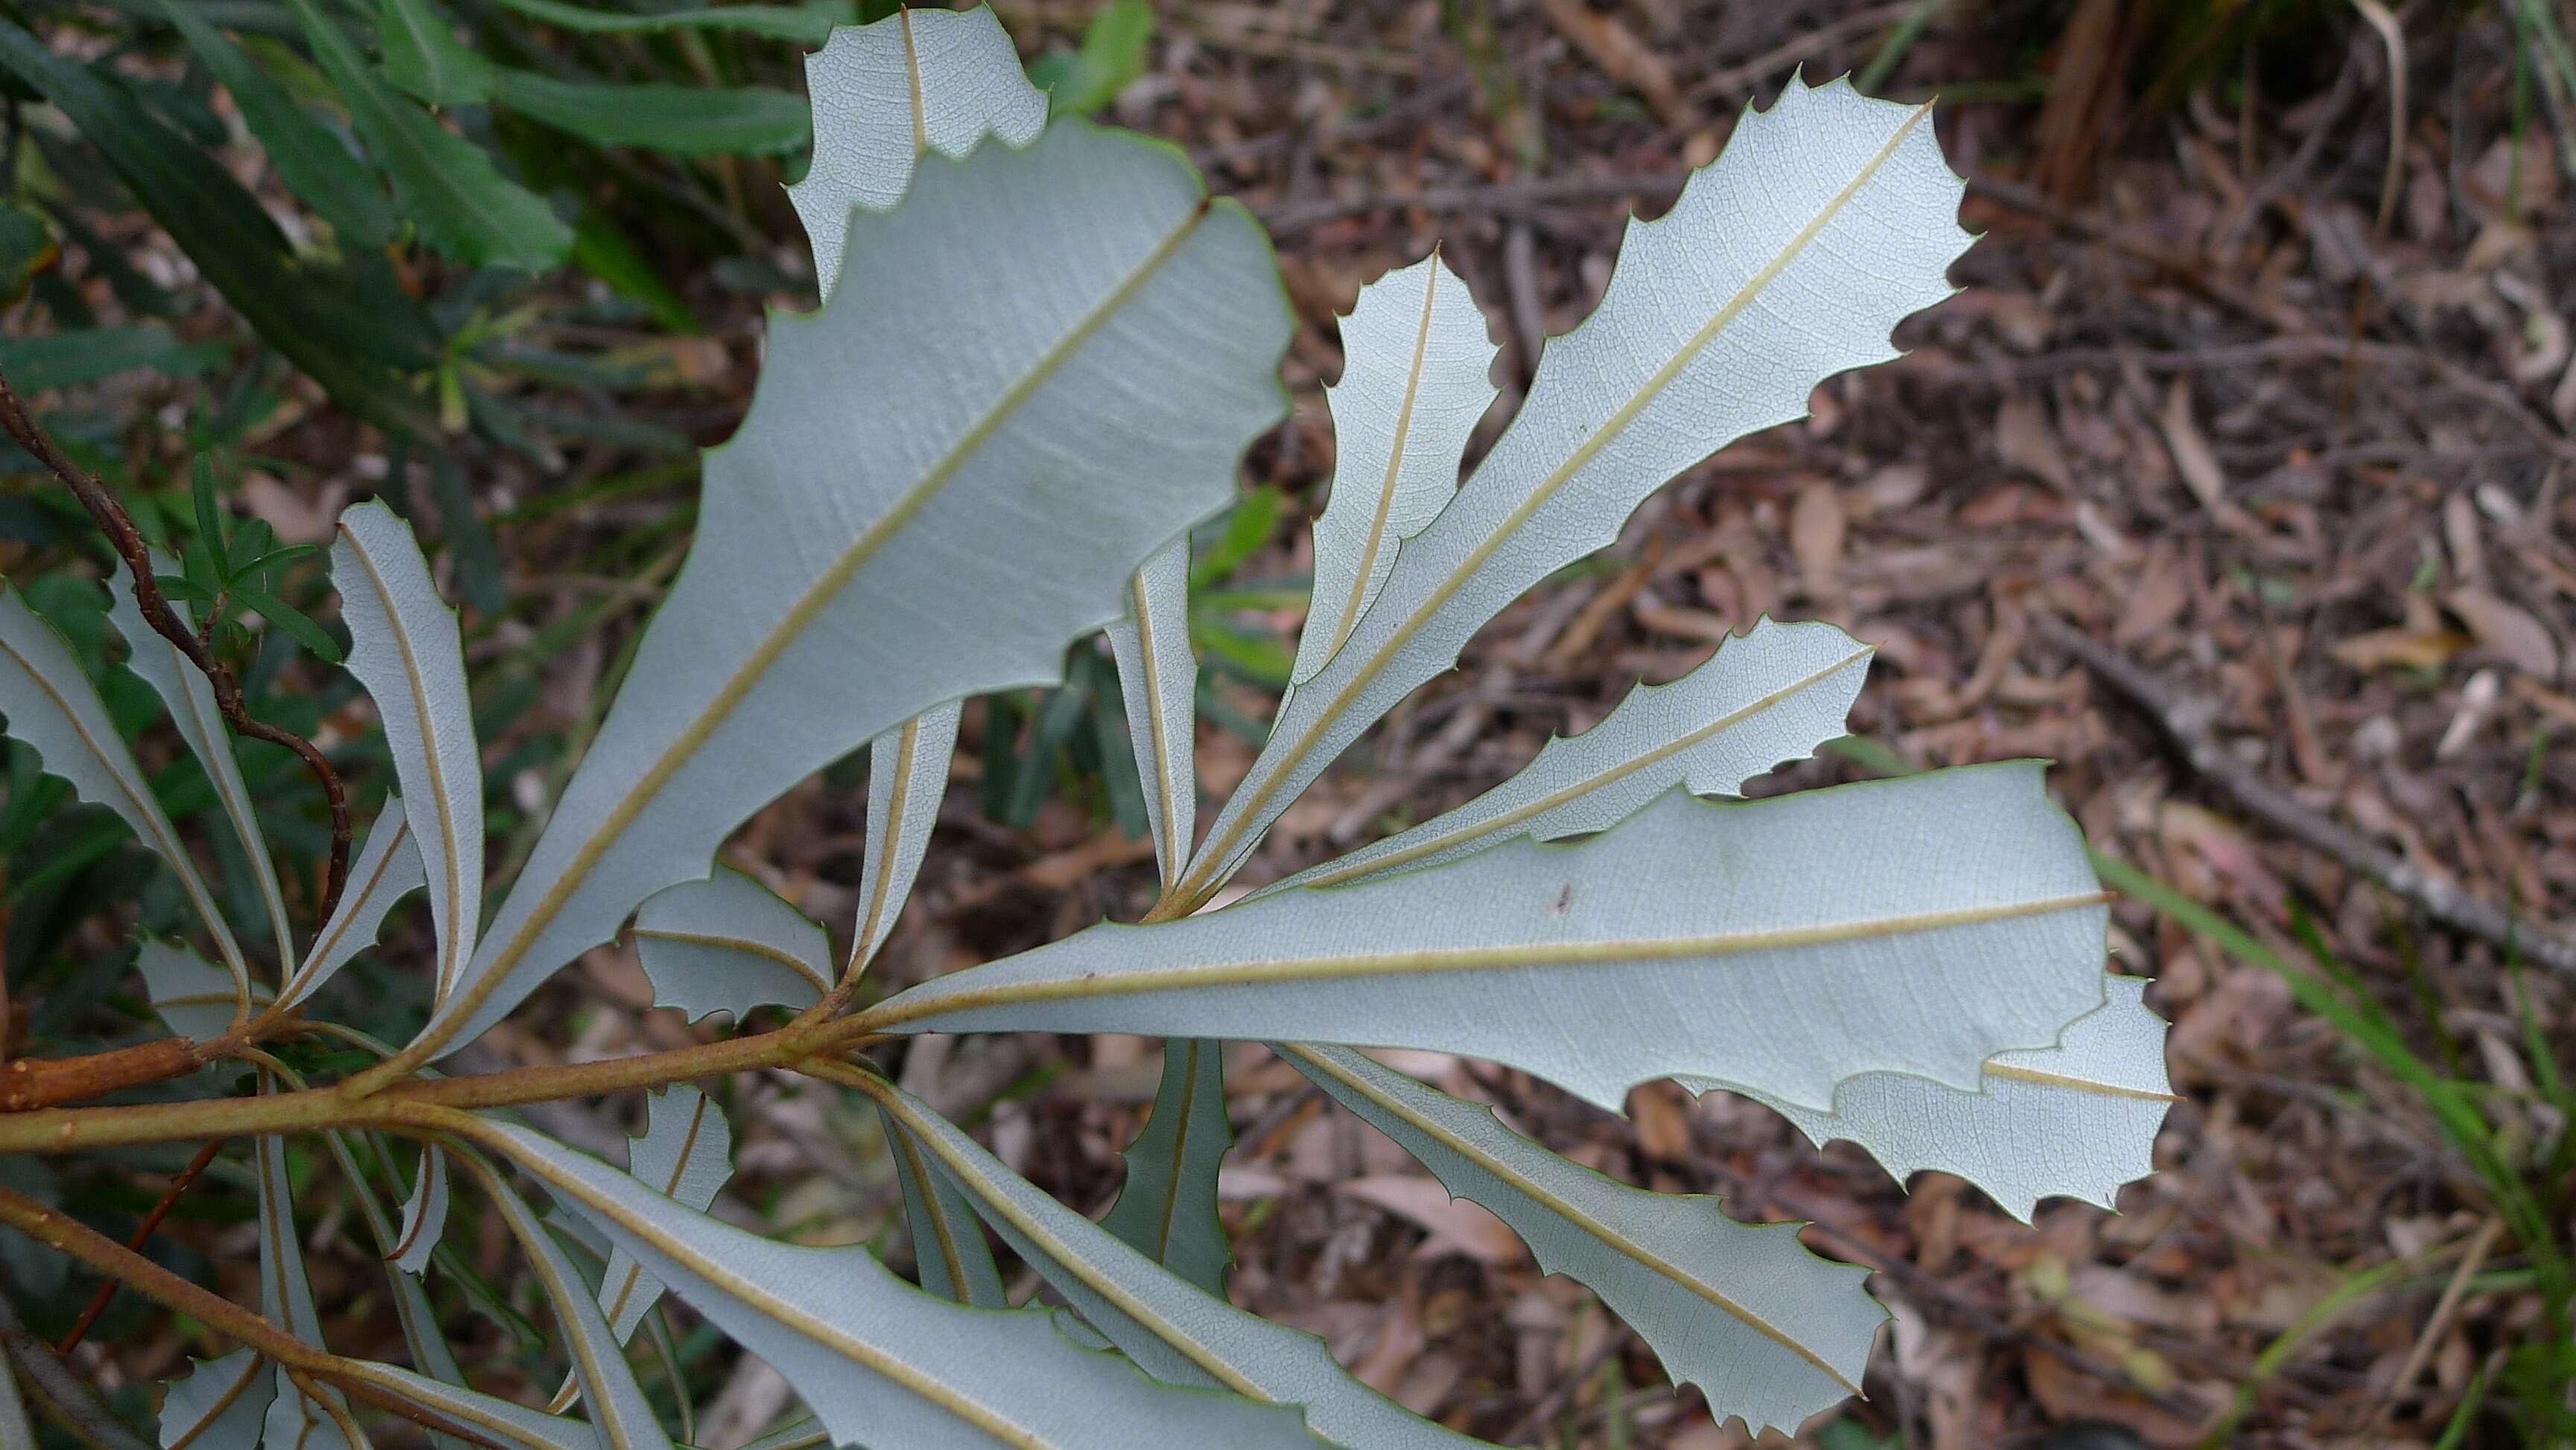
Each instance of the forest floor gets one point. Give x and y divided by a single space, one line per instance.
2244 501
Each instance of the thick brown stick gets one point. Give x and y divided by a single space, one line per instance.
61 1232
112 520
2186 724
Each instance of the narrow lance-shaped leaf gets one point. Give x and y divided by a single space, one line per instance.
404 647
424 57
2079 1118
907 775
1773 695
677 120
387 870
1165 1323
1828 220
1166 1209
286 1300
52 708
443 184
1158 677
190 698
798 23
424 1215
878 1360
1766 1329
315 165
728 944
617 1407
220 1404
498 1421
350 327
1115 339
948 1247
1415 357
1916 926
920 81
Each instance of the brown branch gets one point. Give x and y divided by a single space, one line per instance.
28 1083
142 1235
2186 723
112 520
66 1235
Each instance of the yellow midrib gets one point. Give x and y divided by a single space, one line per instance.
228 784
1174 848
250 1370
2077 1084
1202 883
457 938
1180 1151
670 1190
744 945
816 598
787 1316
933 1209
1074 1260
1608 1237
1455 959
430 1155
912 70
610 1419
1394 464
863 945
329 941
1374 865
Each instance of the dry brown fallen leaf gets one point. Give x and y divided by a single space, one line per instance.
2508 630
1455 1225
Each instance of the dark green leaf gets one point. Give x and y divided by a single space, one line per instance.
306 312
469 542
446 188
313 163
424 57
778 22
681 120
1264 659
602 250
1166 1210
1247 528
210 510
249 543
69 359
26 248
274 558
1112 55
180 587
286 617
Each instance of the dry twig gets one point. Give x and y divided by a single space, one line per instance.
112 520
2186 723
